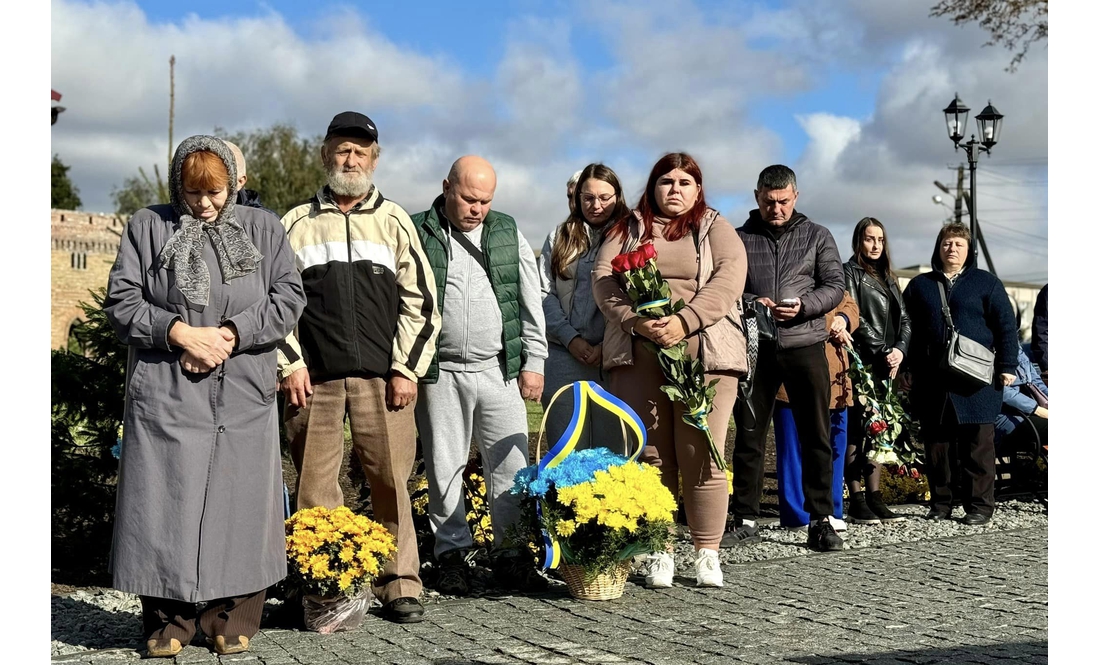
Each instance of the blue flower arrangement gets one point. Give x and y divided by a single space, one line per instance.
578 467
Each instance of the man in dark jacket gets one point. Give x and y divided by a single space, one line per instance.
795 270
1039 341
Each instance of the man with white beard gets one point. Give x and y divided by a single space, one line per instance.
366 337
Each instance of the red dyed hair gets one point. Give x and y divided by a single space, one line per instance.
204 170
678 227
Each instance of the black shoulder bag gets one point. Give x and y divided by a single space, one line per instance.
964 360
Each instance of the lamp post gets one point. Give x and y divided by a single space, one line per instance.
989 127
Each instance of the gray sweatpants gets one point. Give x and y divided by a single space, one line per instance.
486 408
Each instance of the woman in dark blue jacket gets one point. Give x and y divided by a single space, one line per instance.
957 420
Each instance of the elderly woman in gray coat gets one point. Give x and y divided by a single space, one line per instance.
201 292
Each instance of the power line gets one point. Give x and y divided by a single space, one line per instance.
1012 243
1012 230
1011 200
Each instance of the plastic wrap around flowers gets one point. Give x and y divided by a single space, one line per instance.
601 507
885 417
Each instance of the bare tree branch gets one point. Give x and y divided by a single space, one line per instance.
1014 24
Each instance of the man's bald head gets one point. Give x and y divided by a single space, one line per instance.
468 191
238 156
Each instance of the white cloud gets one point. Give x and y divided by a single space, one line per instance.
884 166
679 78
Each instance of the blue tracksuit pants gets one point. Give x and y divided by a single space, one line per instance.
789 464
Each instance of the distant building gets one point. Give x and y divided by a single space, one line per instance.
1022 295
55 106
83 247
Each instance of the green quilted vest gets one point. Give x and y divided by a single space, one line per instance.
500 244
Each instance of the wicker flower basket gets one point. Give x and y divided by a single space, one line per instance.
605 586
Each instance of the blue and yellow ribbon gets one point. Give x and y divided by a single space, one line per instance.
653 303
583 393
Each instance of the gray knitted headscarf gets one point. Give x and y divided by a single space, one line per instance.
237 256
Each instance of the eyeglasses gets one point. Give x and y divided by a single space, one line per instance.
590 200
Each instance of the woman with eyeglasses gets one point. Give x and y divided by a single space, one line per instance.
574 324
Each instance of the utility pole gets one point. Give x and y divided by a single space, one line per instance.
958 198
171 106
978 232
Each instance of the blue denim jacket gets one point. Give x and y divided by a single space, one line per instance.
1017 403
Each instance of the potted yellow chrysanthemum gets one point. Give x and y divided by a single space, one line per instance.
602 510
332 557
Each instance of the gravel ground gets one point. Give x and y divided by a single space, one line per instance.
104 619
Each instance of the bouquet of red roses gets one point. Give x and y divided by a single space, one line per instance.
652 298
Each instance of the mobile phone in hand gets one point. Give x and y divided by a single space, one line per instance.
789 302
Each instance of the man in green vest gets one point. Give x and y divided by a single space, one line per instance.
490 354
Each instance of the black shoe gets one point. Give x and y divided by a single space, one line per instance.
938 515
976 519
741 534
879 508
454 574
859 511
514 569
403 610
823 537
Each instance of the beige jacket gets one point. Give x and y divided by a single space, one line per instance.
713 312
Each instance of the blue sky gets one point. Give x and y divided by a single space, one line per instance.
848 92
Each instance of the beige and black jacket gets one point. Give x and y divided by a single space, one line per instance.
370 294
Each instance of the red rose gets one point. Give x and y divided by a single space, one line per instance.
637 260
620 263
877 427
630 259
914 473
901 470
648 251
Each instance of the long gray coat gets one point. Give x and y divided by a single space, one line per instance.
199 513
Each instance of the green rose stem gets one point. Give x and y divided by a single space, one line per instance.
687 383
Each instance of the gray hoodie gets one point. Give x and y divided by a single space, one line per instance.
470 337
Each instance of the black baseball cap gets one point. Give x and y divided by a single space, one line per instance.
350 123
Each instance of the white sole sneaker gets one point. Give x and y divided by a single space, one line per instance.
660 568
708 571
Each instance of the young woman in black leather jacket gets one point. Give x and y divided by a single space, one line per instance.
882 340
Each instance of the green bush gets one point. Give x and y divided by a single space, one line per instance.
87 396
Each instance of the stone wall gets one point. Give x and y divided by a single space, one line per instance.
82 249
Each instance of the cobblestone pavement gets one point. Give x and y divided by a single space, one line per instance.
972 599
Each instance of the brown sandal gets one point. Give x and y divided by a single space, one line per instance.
230 645
163 647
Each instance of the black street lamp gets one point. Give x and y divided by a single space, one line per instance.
989 126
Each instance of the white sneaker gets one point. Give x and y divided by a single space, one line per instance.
838 525
708 572
660 567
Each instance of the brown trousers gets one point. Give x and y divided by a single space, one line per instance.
678 449
385 443
167 617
